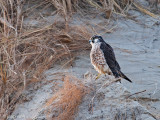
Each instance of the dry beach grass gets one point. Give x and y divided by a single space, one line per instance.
65 102
26 52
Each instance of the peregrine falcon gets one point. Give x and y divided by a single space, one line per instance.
103 58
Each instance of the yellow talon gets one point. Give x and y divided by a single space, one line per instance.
98 76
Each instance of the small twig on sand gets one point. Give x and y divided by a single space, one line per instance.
135 93
24 80
151 115
104 85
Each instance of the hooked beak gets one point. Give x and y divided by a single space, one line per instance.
90 41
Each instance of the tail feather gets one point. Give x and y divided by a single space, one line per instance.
124 76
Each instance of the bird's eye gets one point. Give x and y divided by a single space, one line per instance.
92 41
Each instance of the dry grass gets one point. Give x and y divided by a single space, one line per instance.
121 7
143 10
27 53
66 101
35 53
111 6
68 7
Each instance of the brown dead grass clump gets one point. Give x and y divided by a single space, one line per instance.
25 53
25 59
65 102
110 6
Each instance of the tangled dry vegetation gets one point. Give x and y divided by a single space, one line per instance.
25 53
64 103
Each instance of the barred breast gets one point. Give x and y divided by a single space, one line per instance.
98 60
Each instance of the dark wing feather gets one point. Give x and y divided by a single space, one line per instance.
111 61
110 58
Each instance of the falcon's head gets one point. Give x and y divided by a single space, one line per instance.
96 39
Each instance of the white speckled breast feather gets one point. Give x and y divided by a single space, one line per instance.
97 59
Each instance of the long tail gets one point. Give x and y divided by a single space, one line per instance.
125 77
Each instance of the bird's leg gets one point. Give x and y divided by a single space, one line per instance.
119 79
99 74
